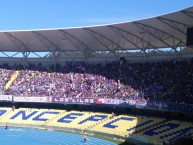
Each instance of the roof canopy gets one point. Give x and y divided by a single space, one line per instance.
113 40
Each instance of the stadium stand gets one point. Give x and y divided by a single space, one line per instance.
126 125
4 112
169 130
81 120
137 82
30 116
5 75
141 82
154 128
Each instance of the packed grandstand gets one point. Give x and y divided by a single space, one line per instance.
147 100
140 82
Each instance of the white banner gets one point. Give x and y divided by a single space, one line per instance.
5 98
111 101
31 99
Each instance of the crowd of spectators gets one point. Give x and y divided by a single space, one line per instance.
40 83
166 81
5 76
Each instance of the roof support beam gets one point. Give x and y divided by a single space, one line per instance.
187 13
161 35
174 24
55 51
5 54
15 54
46 42
20 45
77 43
111 45
137 41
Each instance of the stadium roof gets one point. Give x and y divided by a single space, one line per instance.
113 40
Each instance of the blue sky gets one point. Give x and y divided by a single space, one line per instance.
43 14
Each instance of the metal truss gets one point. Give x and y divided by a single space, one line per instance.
55 51
174 24
111 45
78 44
137 41
190 14
4 54
161 35
20 45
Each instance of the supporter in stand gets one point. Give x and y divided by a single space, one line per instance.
166 81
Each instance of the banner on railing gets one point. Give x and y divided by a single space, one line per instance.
31 99
73 100
6 98
186 108
177 107
158 105
141 104
110 101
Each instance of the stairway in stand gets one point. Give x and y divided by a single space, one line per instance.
13 77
